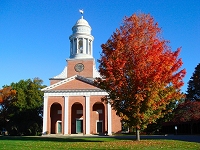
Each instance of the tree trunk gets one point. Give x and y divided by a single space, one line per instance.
191 128
137 134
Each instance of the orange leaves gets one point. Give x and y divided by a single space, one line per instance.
6 93
140 71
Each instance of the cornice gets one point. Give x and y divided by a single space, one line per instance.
98 92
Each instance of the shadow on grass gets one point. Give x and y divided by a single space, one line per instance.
188 138
53 139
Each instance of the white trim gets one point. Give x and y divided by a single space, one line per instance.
75 93
66 115
45 115
59 83
57 126
109 119
102 125
87 114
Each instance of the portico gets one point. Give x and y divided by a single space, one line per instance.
75 106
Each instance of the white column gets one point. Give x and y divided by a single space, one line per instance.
91 53
66 115
109 119
87 47
73 48
45 115
77 40
84 46
87 114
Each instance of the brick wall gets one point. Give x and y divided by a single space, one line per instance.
75 84
88 68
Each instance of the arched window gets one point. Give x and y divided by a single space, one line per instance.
80 45
75 46
71 47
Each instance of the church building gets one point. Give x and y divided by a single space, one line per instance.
72 104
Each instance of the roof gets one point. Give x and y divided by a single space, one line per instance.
75 77
82 22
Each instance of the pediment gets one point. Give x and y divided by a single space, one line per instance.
73 83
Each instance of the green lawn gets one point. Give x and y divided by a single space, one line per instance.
50 143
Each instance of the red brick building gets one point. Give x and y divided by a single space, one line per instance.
72 104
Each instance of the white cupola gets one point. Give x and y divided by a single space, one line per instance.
81 40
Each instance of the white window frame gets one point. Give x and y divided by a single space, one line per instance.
57 126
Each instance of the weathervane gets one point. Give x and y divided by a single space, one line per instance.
81 11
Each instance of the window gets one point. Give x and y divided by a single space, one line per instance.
59 111
80 112
80 45
99 111
75 45
71 47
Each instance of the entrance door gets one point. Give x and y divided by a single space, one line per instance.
79 126
59 127
99 127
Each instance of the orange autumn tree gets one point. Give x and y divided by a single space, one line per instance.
140 72
6 93
7 96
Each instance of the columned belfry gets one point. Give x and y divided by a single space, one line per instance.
81 40
72 103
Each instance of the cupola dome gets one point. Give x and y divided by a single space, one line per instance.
82 22
81 26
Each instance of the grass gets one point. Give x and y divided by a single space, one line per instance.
51 143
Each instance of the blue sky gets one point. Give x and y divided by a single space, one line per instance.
34 34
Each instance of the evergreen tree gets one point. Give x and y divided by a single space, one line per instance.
193 90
